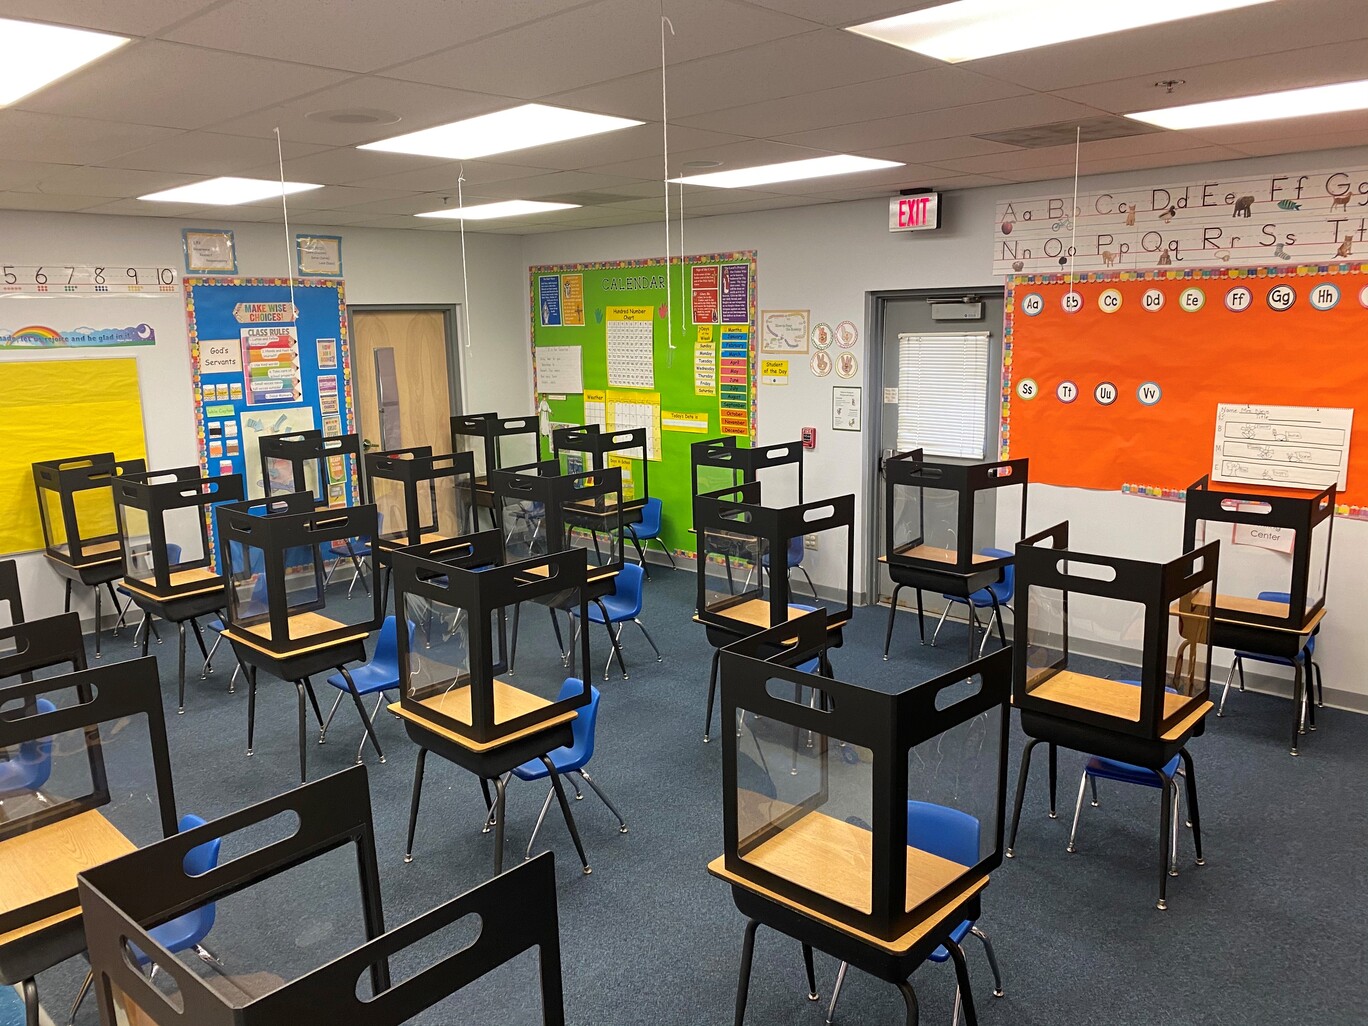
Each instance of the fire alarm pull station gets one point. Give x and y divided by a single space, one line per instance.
809 438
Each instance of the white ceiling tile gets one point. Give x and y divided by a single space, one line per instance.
141 208
892 178
112 182
127 17
950 122
639 142
1303 144
1091 153
336 197
420 106
442 175
934 151
1200 155
813 61
207 153
746 153
1265 29
345 166
48 201
1341 62
156 83
356 36
62 140
607 39
847 12
864 101
20 175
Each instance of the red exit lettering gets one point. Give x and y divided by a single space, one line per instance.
912 211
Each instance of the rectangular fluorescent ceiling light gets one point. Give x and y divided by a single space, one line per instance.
33 56
1242 110
790 171
227 192
969 29
490 211
518 128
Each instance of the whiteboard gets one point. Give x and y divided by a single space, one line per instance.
1289 446
560 369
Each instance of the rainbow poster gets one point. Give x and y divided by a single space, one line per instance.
37 336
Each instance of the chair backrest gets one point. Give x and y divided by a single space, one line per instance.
949 833
387 644
34 764
650 516
628 585
1006 588
198 861
795 550
1286 597
582 727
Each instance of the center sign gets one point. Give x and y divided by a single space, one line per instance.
917 213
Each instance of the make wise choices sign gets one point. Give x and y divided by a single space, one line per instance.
1282 218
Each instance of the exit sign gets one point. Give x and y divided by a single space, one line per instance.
918 213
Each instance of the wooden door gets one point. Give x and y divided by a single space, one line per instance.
414 344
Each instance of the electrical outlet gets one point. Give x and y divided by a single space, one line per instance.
810 542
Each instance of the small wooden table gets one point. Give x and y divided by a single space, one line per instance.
491 760
297 665
40 915
833 858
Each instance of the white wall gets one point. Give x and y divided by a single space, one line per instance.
828 258
382 267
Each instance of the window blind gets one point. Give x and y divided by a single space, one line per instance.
943 393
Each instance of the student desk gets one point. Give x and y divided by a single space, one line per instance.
947 582
186 606
1230 631
297 664
599 581
40 917
491 760
832 856
93 574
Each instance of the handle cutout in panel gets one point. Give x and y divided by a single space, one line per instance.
1080 568
425 953
958 691
254 838
808 697
1246 506
821 513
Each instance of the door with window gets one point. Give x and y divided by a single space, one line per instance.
404 363
941 369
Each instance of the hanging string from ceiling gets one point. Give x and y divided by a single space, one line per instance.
665 145
1073 215
289 247
465 274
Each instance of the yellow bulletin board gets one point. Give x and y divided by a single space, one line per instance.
56 409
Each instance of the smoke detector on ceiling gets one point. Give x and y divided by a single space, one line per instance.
355 116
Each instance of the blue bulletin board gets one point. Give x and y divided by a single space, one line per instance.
260 367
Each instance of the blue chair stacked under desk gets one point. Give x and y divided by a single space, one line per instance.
647 530
1306 659
570 760
31 768
997 596
953 835
379 675
623 606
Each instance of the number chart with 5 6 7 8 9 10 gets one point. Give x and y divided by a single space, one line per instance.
86 279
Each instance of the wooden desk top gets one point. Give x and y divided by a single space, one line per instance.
756 612
937 555
591 573
835 859
301 626
180 577
44 863
1112 698
1260 607
86 552
509 703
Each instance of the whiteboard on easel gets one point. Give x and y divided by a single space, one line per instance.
560 369
1288 446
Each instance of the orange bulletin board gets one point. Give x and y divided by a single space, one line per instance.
1113 383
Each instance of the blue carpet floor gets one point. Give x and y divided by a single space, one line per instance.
1274 929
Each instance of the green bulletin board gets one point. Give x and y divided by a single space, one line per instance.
703 387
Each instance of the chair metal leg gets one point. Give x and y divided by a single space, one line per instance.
998 989
622 823
361 711
649 640
541 817
1230 677
665 549
208 666
1093 781
413 802
80 996
1078 811
939 623
836 990
370 727
811 587
323 730
565 810
617 649
206 955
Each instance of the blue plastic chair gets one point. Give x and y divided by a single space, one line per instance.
648 530
258 598
1303 660
379 675
354 550
623 605
954 836
1099 768
570 760
996 596
30 770
185 932
794 560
